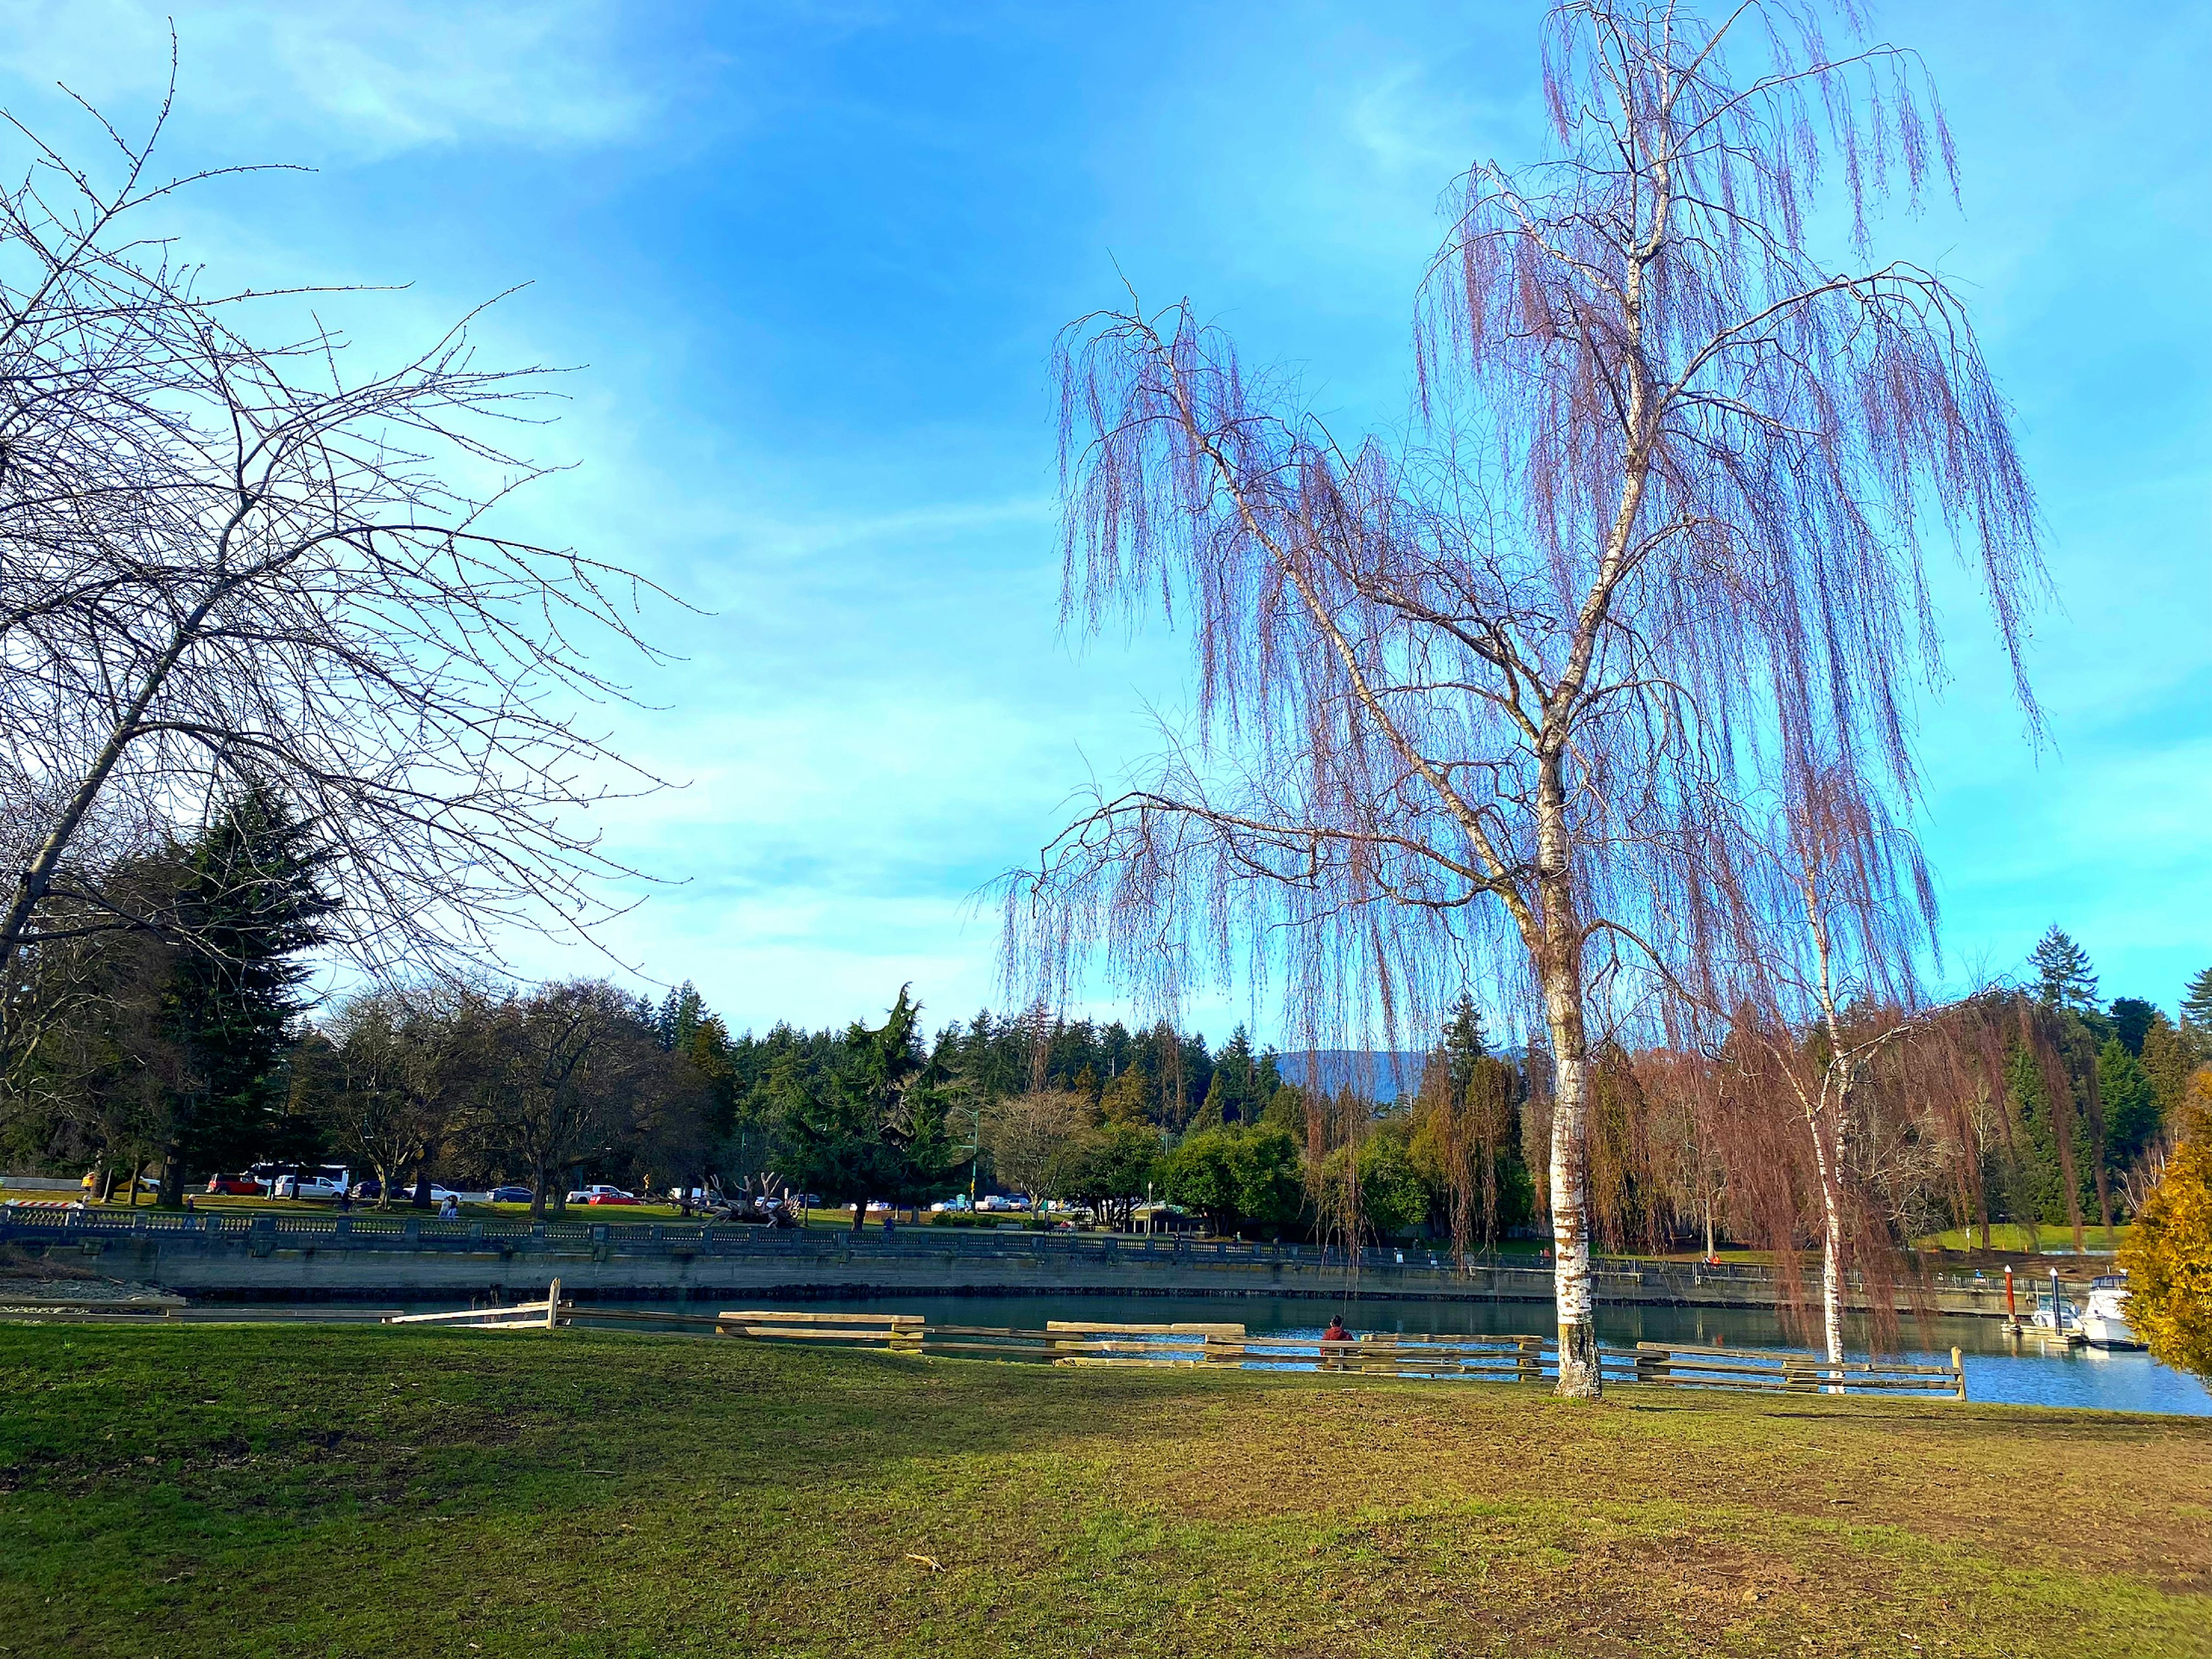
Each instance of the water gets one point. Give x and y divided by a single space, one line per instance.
1998 1368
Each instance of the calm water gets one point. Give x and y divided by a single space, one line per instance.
1996 1368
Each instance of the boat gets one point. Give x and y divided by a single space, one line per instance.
2055 1320
2105 1321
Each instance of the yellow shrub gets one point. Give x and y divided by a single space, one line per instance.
2168 1256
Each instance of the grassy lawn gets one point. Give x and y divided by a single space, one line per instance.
2009 1236
266 1491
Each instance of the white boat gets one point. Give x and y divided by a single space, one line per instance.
2105 1321
2055 1316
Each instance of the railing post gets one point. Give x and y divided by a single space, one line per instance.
1958 1374
1530 1350
553 1306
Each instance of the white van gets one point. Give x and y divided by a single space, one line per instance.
317 1181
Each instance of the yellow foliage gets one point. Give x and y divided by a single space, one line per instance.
2168 1256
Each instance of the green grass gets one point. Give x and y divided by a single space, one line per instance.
2011 1238
329 1491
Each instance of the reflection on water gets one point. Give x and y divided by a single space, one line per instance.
1997 1368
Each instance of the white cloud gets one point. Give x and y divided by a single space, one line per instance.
365 80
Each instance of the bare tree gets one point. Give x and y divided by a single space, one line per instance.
1815 1003
222 560
1022 1134
388 1105
1490 702
552 1081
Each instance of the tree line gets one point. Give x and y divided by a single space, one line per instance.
193 1047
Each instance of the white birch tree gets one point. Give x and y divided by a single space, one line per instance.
1488 702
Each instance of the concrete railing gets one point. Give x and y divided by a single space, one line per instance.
381 1254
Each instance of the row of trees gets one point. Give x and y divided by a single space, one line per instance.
2042 1106
190 1043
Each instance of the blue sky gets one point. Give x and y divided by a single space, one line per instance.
810 259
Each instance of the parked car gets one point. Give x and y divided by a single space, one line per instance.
511 1194
611 1198
585 1194
401 1192
234 1186
120 1192
325 1182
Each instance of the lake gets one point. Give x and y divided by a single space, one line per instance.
1997 1368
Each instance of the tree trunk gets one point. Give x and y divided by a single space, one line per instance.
860 1212
173 1178
1832 1267
1579 1375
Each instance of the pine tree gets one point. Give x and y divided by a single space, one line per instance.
2196 1014
1234 1096
2132 1107
1464 1044
2131 1017
677 1018
867 1126
247 906
2167 1061
2063 977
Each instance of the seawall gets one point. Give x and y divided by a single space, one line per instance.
262 1257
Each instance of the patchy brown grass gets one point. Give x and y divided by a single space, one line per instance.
258 1490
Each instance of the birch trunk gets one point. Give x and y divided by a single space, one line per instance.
1579 1375
1832 1265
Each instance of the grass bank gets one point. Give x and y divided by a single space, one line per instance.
271 1491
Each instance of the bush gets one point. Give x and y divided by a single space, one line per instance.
2168 1254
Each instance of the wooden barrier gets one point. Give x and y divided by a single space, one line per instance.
547 1314
1664 1364
1102 1342
896 1333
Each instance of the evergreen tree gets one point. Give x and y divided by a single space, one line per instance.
2167 1062
2196 1014
2131 1017
866 1126
2131 1108
247 906
1464 1044
1234 1096
2063 977
677 1018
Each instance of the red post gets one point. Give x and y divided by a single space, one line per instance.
2012 1313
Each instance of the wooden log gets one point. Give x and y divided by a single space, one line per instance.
1119 1329
467 1315
821 1319
1775 1358
1087 1359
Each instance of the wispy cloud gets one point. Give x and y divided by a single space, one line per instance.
363 80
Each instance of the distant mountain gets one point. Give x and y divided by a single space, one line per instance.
1384 1073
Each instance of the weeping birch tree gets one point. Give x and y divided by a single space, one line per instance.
1487 702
